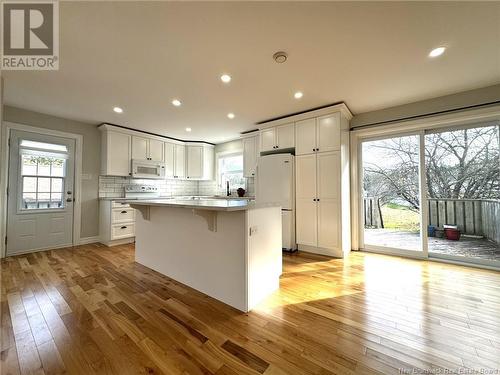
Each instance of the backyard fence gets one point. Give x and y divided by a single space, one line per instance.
478 217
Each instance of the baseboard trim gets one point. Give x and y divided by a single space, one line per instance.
87 240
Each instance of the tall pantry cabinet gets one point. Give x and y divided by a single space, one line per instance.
322 201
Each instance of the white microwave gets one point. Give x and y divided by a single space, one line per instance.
148 169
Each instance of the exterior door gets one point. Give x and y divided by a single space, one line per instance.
40 192
306 206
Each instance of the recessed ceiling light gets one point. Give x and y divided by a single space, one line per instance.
298 95
188 129
437 52
118 110
176 102
226 78
230 115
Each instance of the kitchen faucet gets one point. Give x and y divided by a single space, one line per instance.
228 192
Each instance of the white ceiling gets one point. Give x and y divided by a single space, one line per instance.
140 56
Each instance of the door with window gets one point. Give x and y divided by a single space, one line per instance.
40 192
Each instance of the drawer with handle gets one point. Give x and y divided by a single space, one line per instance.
118 204
122 215
119 231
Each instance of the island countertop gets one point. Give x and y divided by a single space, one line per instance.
201 204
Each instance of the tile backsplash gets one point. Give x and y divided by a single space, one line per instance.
114 187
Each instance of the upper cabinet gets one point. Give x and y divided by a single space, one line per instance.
183 160
199 162
250 155
147 149
279 137
116 148
320 134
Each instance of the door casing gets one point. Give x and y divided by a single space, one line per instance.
6 128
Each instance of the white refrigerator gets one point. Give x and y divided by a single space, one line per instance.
276 184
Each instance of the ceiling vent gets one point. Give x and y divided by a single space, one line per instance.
280 57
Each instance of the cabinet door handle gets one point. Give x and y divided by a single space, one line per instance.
124 227
123 212
317 149
317 200
314 199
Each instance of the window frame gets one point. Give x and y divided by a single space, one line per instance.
226 154
21 209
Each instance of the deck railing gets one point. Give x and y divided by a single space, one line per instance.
478 217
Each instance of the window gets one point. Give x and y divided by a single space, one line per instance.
230 168
42 178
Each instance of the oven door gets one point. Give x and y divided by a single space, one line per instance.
144 169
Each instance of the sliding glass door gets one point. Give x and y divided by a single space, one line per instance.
463 193
391 194
434 193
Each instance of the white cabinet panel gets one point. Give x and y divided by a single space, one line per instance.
328 223
116 154
285 136
169 159
139 148
180 161
305 185
194 162
329 133
267 139
249 156
307 224
328 170
156 150
305 137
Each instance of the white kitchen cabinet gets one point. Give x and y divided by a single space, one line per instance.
156 150
250 155
305 203
200 161
279 137
285 136
194 162
147 149
317 200
115 153
179 161
169 152
140 148
320 134
116 222
328 133
268 139
305 135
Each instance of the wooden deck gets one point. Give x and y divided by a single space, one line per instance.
466 247
92 310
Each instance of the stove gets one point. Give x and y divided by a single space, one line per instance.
142 192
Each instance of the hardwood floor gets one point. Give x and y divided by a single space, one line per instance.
92 310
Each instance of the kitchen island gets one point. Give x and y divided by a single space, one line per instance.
227 249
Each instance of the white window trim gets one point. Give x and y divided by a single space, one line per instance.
225 154
6 128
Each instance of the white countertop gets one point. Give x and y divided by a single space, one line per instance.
202 204
181 197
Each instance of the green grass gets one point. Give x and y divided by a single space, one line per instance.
400 218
